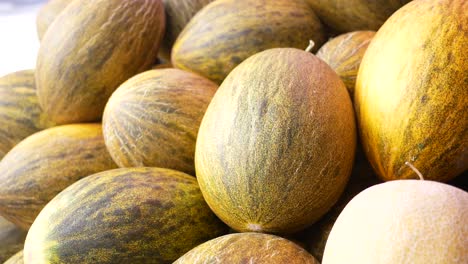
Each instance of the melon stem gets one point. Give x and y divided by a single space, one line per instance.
311 46
415 170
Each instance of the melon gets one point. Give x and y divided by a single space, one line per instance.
47 14
344 55
44 164
178 14
315 237
411 95
226 32
90 49
276 146
353 15
128 215
152 120
20 113
402 221
11 239
16 259
248 248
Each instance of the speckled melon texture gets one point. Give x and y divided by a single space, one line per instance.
248 248
153 119
44 164
90 49
226 32
134 215
411 95
20 113
276 146
344 54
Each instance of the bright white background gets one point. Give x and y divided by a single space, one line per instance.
18 38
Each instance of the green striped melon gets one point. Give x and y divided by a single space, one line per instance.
178 14
44 164
20 113
351 15
128 215
276 145
344 54
153 118
226 32
90 49
411 95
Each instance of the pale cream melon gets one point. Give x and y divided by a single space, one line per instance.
402 221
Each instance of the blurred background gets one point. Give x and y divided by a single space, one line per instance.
18 37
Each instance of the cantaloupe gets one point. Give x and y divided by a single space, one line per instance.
402 221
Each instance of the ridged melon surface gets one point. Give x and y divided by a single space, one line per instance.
44 164
135 215
411 94
90 49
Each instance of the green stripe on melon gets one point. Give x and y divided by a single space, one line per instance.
90 49
44 164
20 113
134 215
226 32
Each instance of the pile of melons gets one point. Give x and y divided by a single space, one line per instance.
238 131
